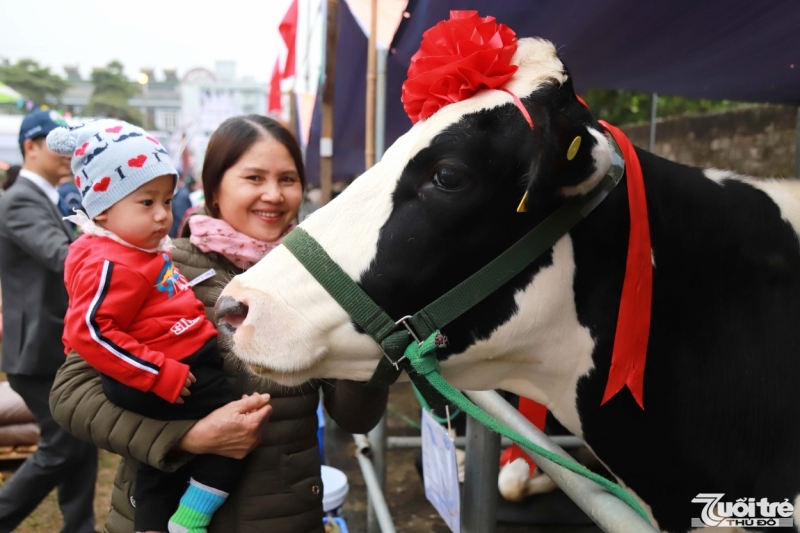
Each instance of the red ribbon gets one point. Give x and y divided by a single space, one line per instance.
633 323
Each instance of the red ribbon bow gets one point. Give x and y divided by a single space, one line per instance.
457 58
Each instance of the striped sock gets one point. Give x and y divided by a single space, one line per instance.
197 506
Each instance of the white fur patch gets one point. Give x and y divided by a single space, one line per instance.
784 192
541 352
602 157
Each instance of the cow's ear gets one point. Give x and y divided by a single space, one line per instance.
571 154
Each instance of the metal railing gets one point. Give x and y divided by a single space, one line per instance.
479 499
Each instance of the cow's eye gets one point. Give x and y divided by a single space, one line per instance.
450 179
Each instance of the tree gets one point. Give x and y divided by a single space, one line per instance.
112 90
33 81
626 107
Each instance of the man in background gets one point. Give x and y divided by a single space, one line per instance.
33 246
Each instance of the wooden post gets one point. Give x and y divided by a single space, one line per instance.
372 62
326 138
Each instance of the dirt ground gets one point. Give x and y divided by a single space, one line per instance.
405 493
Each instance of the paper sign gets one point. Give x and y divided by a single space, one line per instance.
440 472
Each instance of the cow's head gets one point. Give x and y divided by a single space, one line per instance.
440 205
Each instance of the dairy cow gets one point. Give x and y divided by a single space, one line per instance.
721 403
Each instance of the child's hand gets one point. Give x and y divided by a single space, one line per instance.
190 379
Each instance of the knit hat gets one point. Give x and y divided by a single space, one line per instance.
110 160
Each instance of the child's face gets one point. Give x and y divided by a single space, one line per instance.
143 217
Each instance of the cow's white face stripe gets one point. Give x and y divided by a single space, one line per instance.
784 192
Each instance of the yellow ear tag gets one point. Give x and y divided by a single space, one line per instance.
523 205
573 148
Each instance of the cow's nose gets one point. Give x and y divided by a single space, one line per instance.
229 314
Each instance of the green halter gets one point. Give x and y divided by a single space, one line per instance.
410 343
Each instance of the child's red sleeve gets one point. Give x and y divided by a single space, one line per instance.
103 304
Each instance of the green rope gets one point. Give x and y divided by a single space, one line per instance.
425 405
413 423
423 359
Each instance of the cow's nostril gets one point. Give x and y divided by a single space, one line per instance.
230 314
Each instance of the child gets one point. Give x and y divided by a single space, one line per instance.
134 317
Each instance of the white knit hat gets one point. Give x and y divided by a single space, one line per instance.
110 160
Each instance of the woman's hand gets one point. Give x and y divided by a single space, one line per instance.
233 430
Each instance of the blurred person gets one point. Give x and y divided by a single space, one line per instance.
11 176
70 199
181 203
33 246
254 179
70 195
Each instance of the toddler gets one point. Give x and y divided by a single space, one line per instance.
134 317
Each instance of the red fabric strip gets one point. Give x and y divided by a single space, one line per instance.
518 103
536 413
633 324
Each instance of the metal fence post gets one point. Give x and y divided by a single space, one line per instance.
653 117
377 441
479 500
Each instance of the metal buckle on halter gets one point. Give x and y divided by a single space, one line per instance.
396 364
408 327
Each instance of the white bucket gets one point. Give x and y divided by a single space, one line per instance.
335 488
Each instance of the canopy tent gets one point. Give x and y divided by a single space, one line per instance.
735 50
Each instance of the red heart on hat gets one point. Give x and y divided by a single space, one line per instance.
115 129
78 181
82 150
137 161
152 139
102 185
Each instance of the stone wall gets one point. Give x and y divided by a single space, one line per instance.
757 141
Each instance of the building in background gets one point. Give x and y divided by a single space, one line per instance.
209 98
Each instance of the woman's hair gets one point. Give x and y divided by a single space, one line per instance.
11 176
232 139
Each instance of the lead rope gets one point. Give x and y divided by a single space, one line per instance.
423 358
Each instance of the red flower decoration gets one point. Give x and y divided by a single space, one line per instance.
457 58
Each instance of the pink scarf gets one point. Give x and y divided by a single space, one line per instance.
215 235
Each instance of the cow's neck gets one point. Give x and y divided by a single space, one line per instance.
566 318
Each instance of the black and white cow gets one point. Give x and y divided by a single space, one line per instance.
721 393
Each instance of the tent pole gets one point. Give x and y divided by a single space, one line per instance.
653 112
369 138
326 137
380 105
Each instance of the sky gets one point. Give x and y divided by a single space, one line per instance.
154 34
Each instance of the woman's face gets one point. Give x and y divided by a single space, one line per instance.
261 193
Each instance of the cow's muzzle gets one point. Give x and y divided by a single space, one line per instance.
229 314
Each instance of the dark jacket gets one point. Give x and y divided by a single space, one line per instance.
281 489
33 246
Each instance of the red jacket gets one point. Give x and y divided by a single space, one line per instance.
132 315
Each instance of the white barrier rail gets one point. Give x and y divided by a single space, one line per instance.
606 510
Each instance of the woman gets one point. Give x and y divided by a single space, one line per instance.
254 179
